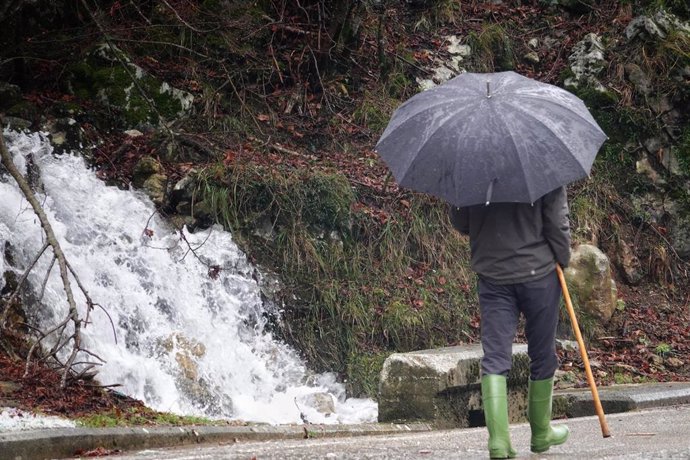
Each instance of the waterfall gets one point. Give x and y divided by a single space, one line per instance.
173 336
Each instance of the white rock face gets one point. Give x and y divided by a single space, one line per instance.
445 70
586 62
655 28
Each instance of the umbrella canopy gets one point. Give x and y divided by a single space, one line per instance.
498 137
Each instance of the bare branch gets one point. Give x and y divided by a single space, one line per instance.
3 318
179 18
45 279
65 270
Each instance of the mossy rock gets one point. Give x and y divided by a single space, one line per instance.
25 110
145 168
9 95
107 75
589 278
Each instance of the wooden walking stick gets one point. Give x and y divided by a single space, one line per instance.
583 352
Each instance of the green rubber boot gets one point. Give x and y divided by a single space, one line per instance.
539 414
495 400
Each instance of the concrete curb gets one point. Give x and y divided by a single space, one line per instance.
621 398
66 442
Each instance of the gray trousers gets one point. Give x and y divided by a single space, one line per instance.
501 305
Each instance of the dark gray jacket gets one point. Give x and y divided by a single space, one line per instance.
517 242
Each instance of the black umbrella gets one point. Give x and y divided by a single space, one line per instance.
498 137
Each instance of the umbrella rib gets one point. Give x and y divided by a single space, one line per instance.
565 107
517 150
528 114
426 141
422 110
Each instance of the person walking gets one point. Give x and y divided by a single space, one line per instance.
514 251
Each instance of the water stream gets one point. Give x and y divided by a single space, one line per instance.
173 336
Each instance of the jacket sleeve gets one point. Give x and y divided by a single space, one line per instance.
557 225
460 219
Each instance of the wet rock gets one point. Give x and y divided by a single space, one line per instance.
532 57
643 167
155 187
564 380
657 27
66 135
660 209
16 123
133 133
108 75
660 148
639 79
629 263
148 175
9 95
8 283
323 403
590 282
145 168
445 70
265 229
183 191
574 6
186 351
586 62
680 235
674 362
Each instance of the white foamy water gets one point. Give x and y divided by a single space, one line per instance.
12 419
182 341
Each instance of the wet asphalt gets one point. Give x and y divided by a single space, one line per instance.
646 434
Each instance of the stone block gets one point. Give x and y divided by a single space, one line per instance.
442 386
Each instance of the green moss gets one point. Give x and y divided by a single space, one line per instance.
621 124
492 49
621 378
682 152
327 200
587 216
25 110
680 8
663 349
138 417
560 406
590 327
374 111
364 370
399 85
101 77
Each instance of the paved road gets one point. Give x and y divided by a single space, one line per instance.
649 434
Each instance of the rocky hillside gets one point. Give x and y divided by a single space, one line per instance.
263 116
